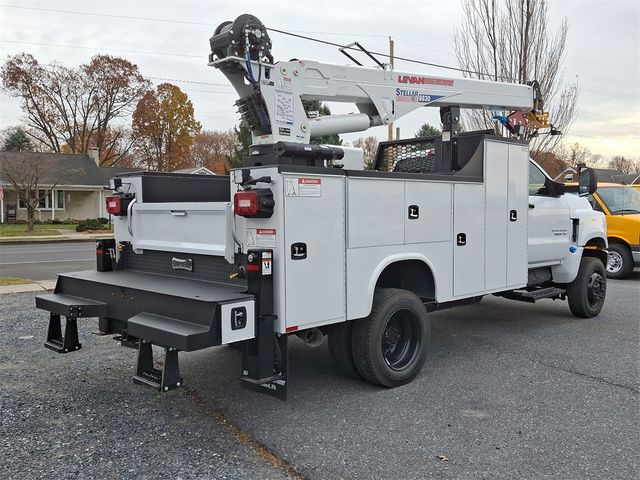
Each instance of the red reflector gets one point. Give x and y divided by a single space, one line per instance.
99 251
290 329
114 204
246 203
253 268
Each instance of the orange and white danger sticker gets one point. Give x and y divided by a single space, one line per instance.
261 237
303 187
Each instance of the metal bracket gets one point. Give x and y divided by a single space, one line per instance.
163 380
56 341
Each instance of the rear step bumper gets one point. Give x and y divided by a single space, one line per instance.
175 312
149 309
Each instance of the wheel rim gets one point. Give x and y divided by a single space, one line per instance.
596 289
401 339
614 262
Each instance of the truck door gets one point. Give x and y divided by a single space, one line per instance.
549 222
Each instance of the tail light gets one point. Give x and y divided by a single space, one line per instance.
117 204
254 203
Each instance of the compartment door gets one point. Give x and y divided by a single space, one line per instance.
468 239
314 251
497 214
519 202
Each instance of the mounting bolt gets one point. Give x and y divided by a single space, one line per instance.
177 384
303 127
283 70
166 389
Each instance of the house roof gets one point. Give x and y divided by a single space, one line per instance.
605 175
195 170
77 169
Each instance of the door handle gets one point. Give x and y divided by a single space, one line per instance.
531 206
130 215
513 216
414 212
178 213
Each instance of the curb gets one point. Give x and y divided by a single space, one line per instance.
51 240
45 285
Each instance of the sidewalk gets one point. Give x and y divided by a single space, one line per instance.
40 286
67 237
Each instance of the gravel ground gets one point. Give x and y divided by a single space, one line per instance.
80 416
510 390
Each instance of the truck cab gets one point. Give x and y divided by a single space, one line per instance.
620 204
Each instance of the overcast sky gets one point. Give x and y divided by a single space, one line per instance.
603 50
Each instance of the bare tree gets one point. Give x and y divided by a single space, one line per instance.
369 146
26 175
71 110
625 165
509 40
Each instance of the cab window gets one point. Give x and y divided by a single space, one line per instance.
594 203
537 180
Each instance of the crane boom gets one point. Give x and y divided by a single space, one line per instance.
271 93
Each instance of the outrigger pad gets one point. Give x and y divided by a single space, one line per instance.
163 380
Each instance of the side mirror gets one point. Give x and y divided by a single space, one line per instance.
587 183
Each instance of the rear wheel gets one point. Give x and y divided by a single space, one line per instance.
619 261
340 348
586 294
390 345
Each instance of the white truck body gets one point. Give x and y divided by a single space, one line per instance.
302 239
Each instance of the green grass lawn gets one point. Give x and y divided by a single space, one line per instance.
13 281
19 230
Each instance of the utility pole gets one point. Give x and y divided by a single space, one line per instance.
390 126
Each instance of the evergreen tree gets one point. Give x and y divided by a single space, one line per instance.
241 151
18 141
427 130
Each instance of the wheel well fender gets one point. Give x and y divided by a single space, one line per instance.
408 272
595 240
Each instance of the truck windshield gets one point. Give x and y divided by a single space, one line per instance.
620 200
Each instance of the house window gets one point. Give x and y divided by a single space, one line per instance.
46 201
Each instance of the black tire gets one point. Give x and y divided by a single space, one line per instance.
340 348
619 261
390 345
586 294
414 165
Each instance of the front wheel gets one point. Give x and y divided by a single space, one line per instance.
587 292
390 346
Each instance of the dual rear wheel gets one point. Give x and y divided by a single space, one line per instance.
389 347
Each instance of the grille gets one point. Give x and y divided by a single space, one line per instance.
205 267
390 154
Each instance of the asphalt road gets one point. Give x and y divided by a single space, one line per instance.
510 390
43 261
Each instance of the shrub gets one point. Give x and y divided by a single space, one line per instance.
90 224
103 220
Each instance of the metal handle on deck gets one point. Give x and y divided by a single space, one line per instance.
130 215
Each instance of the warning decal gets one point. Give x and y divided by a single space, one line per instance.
266 263
303 187
261 237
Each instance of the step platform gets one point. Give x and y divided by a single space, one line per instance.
71 307
531 296
174 313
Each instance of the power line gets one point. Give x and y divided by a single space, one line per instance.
628 99
107 15
82 47
385 55
283 32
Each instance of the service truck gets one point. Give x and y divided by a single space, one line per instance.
301 240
